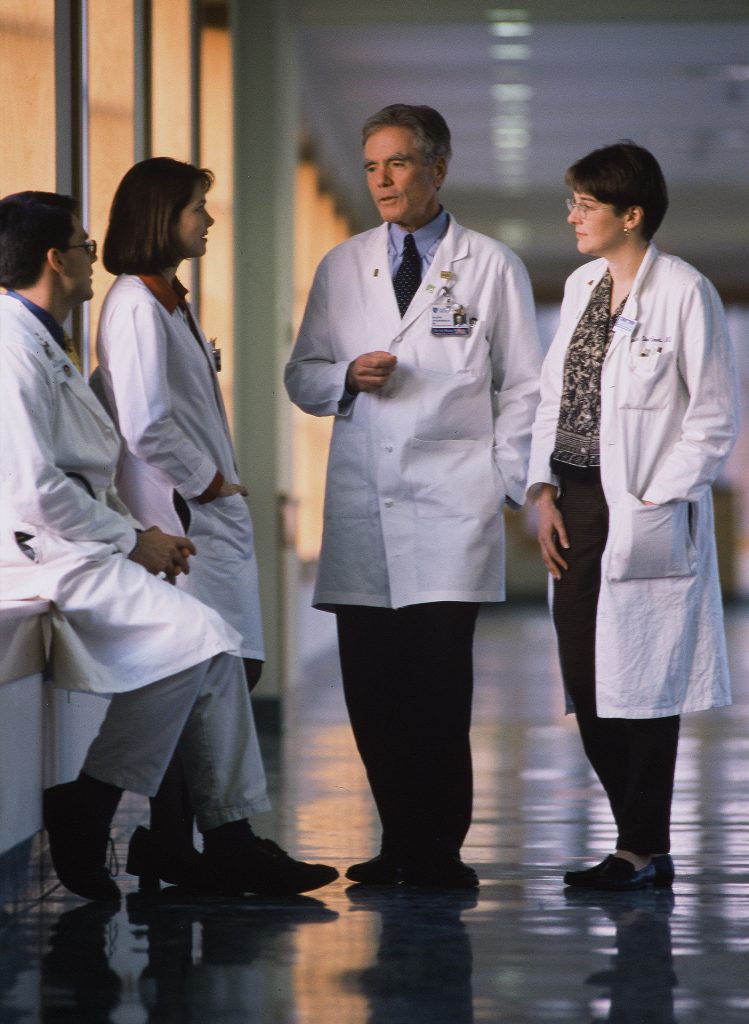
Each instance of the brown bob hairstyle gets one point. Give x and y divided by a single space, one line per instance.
141 238
623 175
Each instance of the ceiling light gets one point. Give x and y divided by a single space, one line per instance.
510 29
507 92
511 51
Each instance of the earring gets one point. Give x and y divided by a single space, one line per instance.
626 231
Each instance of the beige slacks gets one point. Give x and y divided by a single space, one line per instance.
206 712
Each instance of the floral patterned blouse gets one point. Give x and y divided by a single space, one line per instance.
577 453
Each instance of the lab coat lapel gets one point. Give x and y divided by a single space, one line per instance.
452 249
63 368
632 304
381 305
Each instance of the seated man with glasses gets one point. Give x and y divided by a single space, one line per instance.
169 663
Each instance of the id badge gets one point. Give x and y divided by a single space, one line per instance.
450 318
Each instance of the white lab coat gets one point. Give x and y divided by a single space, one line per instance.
669 418
162 390
419 471
112 626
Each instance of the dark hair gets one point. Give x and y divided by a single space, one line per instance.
141 237
623 175
32 223
430 131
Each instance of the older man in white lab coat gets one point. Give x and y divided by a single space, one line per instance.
167 660
419 337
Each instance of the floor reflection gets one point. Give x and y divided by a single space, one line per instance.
523 950
422 968
638 986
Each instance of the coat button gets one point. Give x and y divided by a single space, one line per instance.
389 503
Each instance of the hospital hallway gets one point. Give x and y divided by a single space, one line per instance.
521 950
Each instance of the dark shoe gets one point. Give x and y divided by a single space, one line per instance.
384 869
439 871
614 874
78 843
239 861
664 871
584 879
155 861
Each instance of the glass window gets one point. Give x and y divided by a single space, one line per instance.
27 85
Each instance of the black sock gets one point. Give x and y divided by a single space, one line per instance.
228 832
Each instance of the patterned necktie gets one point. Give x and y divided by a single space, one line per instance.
408 278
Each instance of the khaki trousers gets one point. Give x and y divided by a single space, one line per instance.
205 711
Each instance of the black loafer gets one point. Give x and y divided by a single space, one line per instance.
614 874
664 871
442 871
584 879
384 869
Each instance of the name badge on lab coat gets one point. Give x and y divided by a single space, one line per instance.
450 318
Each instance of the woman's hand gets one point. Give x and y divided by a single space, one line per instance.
226 490
552 534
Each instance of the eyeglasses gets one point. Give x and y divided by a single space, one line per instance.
582 208
89 245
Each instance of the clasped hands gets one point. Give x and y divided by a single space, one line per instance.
160 552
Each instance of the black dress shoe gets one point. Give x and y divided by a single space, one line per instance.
664 871
238 861
384 869
614 874
154 861
584 879
439 871
78 842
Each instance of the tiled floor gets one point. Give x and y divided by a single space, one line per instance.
522 951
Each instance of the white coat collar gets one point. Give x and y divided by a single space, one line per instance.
453 248
631 306
36 335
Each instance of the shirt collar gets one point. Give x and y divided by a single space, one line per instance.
45 318
169 295
424 237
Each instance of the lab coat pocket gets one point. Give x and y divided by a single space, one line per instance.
650 541
455 353
457 478
648 382
222 528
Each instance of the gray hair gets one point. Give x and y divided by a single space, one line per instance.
429 128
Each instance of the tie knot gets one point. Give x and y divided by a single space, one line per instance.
409 246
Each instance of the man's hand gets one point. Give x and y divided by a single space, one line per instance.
160 552
369 372
552 534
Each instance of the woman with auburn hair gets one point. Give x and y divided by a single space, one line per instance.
638 414
158 377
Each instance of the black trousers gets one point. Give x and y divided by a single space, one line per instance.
635 759
408 684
